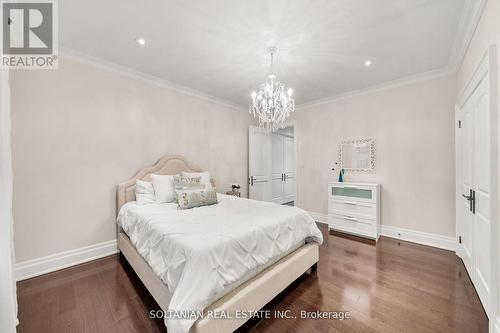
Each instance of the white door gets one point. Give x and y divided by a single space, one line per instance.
474 189
259 160
464 169
277 165
482 191
289 169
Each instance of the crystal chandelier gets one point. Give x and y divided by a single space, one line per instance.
273 102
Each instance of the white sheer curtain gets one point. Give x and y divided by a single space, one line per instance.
8 303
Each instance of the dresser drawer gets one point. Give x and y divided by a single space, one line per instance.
353 208
353 193
354 225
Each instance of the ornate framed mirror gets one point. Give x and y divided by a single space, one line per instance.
357 155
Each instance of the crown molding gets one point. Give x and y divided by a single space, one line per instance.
70 54
463 38
465 33
427 76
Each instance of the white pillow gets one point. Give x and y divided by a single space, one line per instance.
144 192
164 188
205 177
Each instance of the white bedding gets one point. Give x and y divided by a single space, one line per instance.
202 253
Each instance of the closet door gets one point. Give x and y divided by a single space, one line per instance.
289 170
277 163
259 168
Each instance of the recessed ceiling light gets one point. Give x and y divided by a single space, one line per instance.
141 41
368 63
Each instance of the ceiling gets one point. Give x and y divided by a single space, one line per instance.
218 47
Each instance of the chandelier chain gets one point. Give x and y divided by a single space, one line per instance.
272 62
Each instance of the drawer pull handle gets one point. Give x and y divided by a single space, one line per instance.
351 203
350 218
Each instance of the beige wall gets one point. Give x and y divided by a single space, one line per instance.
413 129
487 33
84 129
78 131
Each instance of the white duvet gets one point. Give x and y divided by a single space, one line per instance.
203 253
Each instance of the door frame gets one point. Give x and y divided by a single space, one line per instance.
294 124
8 319
487 65
459 221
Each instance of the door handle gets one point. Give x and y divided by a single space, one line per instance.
350 218
472 200
254 181
351 203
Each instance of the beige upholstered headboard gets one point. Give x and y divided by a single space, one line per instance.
167 165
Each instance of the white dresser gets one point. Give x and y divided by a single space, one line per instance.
354 208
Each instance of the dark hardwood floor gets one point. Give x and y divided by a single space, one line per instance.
391 287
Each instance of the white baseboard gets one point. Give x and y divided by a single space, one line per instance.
31 268
35 267
414 236
419 237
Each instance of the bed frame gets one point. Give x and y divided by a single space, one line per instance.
250 296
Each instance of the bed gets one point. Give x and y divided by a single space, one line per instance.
229 258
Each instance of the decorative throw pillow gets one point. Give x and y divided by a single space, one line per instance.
164 188
187 183
196 198
144 192
205 177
